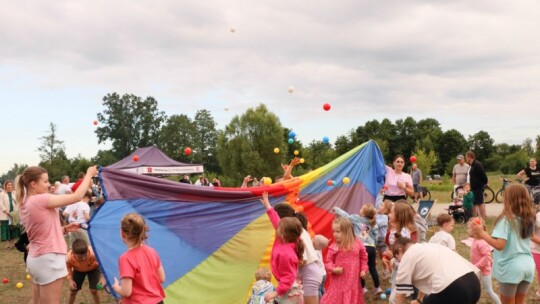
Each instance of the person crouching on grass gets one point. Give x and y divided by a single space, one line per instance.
81 262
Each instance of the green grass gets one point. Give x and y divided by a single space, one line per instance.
13 268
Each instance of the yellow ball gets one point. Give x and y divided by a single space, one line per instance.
267 181
19 285
302 160
28 277
276 150
296 152
346 180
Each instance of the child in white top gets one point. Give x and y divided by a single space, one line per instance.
443 237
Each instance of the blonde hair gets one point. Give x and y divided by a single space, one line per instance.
404 216
387 206
369 212
347 233
263 273
134 228
22 182
517 203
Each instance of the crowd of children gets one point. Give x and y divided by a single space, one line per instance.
392 231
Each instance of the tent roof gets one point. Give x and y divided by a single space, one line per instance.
153 161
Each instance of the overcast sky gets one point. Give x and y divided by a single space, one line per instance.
472 65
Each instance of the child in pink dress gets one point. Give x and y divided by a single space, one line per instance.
481 258
346 263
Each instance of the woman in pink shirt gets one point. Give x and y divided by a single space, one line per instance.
399 183
286 253
46 261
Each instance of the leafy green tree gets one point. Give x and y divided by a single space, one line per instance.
318 154
493 163
175 135
429 131
343 145
482 145
246 146
451 144
205 140
104 158
51 146
129 122
528 146
13 172
425 160
58 166
295 146
515 162
79 164
405 140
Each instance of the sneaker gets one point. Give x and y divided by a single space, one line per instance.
377 291
365 290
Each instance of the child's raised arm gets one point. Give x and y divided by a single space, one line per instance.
272 214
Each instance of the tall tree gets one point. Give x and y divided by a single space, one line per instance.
528 146
246 146
481 144
175 135
405 138
449 145
13 172
205 140
129 122
425 160
319 154
51 146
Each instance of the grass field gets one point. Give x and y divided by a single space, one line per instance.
14 270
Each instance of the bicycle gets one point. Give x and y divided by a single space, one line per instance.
499 196
489 194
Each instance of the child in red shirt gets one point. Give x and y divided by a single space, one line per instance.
141 272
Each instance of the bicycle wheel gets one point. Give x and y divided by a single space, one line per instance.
499 196
489 195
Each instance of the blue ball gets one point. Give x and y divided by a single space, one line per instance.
388 291
326 139
290 141
383 296
292 134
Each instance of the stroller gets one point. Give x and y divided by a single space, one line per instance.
456 209
535 194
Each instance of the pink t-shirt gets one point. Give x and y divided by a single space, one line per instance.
392 179
141 264
481 256
43 226
284 262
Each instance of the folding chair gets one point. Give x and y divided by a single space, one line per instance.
424 210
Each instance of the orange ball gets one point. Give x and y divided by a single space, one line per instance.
135 158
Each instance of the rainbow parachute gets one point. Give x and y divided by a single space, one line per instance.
211 240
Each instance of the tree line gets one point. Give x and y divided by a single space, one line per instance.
246 145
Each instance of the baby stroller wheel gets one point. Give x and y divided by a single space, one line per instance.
461 219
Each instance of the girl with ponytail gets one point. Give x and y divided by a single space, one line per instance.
46 261
287 254
141 272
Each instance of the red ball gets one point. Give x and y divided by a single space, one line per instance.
5 281
412 159
135 158
326 107
187 151
330 182
95 122
385 187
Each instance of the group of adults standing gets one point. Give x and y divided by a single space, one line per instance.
9 215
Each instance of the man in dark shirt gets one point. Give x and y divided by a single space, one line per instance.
185 179
478 180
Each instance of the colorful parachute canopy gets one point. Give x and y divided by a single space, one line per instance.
211 240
